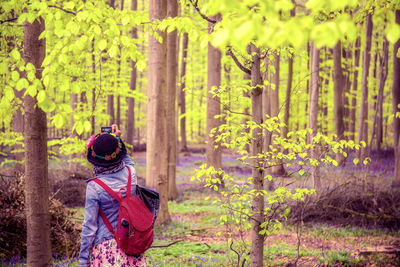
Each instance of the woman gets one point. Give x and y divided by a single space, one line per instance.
107 153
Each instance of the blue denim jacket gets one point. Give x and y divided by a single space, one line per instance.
94 231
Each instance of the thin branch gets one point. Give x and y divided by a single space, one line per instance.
168 245
8 20
65 10
243 68
194 4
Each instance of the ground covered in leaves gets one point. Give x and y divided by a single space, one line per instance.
355 222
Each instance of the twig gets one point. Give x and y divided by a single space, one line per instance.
8 20
168 245
194 4
61 8
243 68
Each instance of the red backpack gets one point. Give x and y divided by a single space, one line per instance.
134 233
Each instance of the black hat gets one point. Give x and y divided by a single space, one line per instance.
105 149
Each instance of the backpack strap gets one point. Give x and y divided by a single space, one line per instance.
108 189
114 195
129 184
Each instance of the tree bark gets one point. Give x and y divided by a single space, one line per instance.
286 116
246 111
213 153
352 129
395 107
172 70
363 125
338 97
377 122
277 169
36 163
156 154
266 106
314 97
182 100
257 240
73 102
130 129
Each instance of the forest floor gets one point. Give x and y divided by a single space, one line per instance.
203 241
194 235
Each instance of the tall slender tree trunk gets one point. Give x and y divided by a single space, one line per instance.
363 125
172 71
338 96
377 122
182 95
395 108
130 129
257 240
266 105
286 116
314 97
156 147
36 163
213 151
354 90
277 169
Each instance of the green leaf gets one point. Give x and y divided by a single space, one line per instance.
31 76
88 126
3 67
113 51
15 75
356 161
79 128
102 44
393 32
41 96
15 54
301 172
31 90
58 121
21 84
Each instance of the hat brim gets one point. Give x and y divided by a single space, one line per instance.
107 163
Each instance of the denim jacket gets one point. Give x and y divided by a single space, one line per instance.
94 231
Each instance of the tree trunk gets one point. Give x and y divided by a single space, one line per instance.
36 163
172 69
266 106
130 126
213 153
182 100
277 169
338 97
395 107
377 122
352 129
286 117
257 240
363 125
156 154
314 96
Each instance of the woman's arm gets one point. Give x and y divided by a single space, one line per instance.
89 227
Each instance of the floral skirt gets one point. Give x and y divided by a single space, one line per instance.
108 253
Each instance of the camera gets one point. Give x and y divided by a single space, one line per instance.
107 129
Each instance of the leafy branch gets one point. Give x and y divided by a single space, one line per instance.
229 52
196 7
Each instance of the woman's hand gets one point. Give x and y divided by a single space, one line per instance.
115 130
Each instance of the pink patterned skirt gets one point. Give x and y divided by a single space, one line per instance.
108 253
